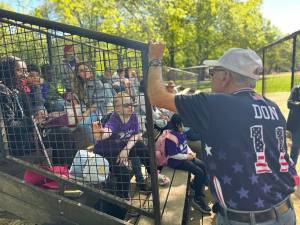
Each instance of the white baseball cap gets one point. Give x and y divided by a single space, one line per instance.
242 61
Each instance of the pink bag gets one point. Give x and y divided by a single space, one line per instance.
33 178
160 151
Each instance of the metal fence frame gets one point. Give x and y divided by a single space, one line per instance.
7 17
264 49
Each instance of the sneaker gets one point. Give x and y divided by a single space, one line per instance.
201 205
163 180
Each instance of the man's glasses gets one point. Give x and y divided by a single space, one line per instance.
212 72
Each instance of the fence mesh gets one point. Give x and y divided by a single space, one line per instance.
69 104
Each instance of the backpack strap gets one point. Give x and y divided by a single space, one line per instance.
171 136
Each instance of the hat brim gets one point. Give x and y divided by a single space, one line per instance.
211 63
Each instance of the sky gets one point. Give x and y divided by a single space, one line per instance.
284 14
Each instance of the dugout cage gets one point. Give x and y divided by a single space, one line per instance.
51 144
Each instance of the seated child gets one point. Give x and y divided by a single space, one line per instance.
120 140
183 158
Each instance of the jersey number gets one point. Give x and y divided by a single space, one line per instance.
261 166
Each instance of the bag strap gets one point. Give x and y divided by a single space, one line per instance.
170 136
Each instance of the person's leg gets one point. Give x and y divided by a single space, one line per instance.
140 150
288 218
122 175
220 220
136 167
196 167
295 146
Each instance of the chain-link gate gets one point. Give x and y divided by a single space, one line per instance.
74 114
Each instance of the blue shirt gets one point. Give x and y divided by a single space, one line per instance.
245 147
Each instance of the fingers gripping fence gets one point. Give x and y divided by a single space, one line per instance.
73 111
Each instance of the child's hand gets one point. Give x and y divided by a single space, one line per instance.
35 80
190 157
123 158
98 130
193 154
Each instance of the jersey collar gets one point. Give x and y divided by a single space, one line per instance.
242 90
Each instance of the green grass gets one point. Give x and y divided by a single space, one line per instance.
280 82
275 83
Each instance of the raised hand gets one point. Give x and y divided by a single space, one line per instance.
156 50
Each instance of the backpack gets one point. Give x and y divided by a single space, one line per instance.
160 148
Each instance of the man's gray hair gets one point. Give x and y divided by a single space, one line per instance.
242 81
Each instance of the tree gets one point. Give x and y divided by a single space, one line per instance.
193 30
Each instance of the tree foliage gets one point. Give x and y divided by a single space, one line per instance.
193 30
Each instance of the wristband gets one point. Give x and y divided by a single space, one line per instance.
155 62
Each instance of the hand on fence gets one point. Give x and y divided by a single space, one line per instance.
156 50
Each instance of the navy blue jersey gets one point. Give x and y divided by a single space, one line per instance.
245 148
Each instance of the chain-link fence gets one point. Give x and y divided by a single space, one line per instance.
74 114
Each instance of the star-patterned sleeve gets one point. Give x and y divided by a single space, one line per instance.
194 111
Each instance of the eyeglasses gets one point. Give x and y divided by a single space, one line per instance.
212 72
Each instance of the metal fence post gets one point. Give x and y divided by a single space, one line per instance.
151 141
293 60
49 46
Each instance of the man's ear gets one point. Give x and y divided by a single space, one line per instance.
226 79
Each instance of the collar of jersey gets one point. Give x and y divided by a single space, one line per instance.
242 90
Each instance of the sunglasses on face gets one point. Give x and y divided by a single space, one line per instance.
214 70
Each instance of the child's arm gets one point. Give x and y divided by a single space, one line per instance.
173 152
181 156
123 155
99 132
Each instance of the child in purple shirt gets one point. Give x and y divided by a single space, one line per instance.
120 140
183 158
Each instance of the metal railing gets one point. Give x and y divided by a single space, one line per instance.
281 64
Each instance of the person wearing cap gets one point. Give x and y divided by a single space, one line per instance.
170 86
244 137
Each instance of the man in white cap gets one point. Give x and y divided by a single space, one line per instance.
250 174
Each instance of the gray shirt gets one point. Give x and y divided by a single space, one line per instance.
98 93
